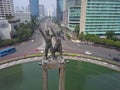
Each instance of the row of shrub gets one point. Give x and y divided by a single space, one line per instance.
95 39
8 42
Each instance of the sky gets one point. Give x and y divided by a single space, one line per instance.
49 4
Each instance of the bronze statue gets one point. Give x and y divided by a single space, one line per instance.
48 43
58 45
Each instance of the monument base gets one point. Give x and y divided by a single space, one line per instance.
48 61
59 64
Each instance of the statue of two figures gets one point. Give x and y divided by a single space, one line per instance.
57 47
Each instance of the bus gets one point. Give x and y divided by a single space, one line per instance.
7 51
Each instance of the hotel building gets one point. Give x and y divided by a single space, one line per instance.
100 16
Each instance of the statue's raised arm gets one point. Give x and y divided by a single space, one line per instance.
53 32
42 33
58 45
48 43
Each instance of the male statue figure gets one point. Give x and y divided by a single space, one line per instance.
58 45
48 43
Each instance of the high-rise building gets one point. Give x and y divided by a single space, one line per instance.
60 10
69 3
41 11
66 6
73 16
49 12
100 16
6 8
28 8
34 8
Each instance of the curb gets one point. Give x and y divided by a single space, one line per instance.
37 57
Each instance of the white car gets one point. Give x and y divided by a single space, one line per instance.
88 52
41 51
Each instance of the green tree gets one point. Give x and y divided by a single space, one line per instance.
90 37
81 37
34 23
117 44
24 32
110 34
13 34
0 36
77 29
68 36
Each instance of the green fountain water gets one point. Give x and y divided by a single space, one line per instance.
78 76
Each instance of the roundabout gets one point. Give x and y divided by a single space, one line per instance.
80 74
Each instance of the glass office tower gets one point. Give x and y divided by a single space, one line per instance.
74 16
60 10
67 5
100 16
34 8
70 3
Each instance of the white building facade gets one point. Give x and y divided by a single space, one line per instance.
23 16
5 29
6 8
6 26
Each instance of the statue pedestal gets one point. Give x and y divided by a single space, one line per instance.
53 64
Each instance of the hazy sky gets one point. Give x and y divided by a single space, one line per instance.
50 4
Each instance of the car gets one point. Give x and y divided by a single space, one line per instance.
116 59
41 51
88 53
32 40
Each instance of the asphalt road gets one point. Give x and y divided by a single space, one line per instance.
102 52
29 47
75 47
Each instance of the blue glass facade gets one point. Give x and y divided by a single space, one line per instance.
34 8
59 9
102 16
